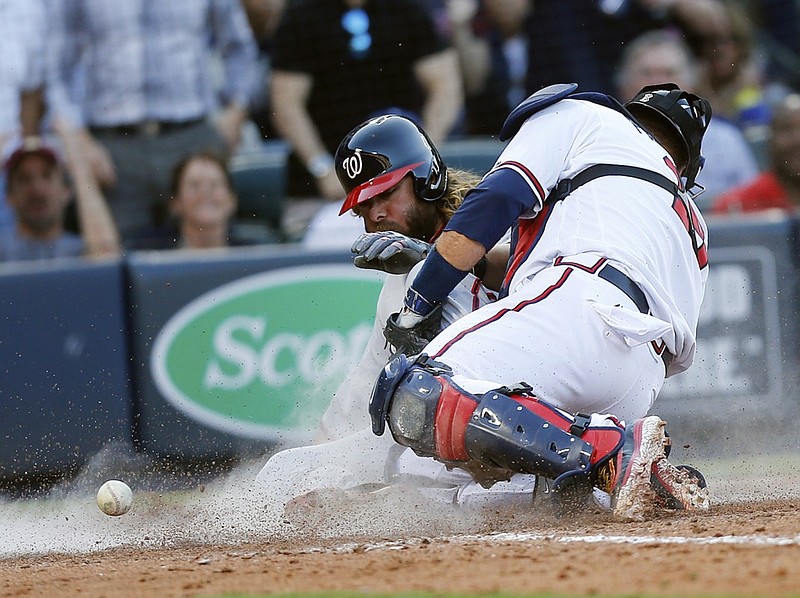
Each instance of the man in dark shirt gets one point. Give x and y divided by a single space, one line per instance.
337 62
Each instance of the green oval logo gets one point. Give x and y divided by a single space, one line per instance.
262 356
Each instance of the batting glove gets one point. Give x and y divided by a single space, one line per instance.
389 251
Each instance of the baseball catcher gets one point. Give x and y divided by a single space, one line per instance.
599 300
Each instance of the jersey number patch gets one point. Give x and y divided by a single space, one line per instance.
691 222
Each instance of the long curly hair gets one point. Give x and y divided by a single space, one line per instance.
459 183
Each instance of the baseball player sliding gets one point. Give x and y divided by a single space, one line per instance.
401 230
408 225
599 301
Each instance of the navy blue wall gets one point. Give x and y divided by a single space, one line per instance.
76 343
64 390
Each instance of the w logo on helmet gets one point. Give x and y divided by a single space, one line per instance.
352 164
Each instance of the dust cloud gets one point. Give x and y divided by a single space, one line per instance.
307 494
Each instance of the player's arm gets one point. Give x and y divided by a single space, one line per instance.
234 41
459 251
389 251
450 261
474 51
480 222
397 253
31 110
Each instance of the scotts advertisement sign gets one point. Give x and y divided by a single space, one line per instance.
261 357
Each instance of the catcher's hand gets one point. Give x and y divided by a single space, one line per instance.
389 251
410 340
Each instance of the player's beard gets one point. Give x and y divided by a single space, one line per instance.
423 220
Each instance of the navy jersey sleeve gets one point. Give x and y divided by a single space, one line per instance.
487 213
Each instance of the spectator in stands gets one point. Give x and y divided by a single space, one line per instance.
778 25
38 192
149 89
779 187
202 206
661 56
492 46
337 62
22 31
733 78
581 41
263 16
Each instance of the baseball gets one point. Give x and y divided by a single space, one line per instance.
114 498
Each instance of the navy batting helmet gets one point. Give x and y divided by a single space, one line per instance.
687 113
378 153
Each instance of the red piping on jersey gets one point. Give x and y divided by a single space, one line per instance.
436 234
475 291
680 209
671 165
560 261
528 174
476 287
543 295
658 346
529 231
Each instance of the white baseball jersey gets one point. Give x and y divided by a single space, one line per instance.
575 337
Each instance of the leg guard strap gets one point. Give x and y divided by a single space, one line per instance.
606 439
429 413
503 433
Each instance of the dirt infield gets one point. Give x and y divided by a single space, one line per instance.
747 549
220 539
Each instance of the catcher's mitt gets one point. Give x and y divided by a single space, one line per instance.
411 341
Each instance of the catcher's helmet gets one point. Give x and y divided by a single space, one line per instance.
687 113
378 153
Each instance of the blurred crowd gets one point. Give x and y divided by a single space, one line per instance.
119 120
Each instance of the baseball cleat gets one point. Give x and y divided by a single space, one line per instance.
644 447
679 487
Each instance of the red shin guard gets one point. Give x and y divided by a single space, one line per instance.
456 407
452 416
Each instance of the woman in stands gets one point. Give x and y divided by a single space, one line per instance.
202 208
